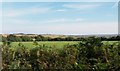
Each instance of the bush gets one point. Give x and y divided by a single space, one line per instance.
88 54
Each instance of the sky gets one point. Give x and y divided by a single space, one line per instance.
59 0
60 17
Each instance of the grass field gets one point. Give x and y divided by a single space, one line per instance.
58 44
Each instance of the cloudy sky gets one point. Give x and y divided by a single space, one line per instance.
60 17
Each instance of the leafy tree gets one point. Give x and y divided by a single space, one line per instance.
39 38
4 39
11 38
69 38
26 38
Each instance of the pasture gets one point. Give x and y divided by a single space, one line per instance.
57 44
54 44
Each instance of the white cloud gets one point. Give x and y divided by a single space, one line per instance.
22 12
67 28
16 22
1 1
61 10
63 20
85 28
79 19
81 6
56 20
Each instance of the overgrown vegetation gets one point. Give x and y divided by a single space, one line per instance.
90 53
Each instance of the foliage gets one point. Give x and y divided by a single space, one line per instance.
87 54
25 38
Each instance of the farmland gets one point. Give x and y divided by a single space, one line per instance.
56 44
60 53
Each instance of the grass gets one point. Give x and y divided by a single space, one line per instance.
56 44
110 42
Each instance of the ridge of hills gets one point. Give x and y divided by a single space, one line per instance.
62 36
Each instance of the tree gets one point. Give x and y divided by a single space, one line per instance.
18 39
39 38
11 38
4 39
69 38
26 38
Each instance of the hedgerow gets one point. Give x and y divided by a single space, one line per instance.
87 54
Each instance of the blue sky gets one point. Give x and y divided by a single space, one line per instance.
60 17
59 0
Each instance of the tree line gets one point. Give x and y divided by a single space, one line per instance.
14 38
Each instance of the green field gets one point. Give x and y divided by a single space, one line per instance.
56 44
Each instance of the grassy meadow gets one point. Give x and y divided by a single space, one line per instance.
56 44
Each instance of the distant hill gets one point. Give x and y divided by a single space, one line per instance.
62 36
98 35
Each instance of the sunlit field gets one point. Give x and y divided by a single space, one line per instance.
55 44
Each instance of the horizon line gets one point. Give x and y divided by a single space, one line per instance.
64 34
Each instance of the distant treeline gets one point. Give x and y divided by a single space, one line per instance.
13 38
